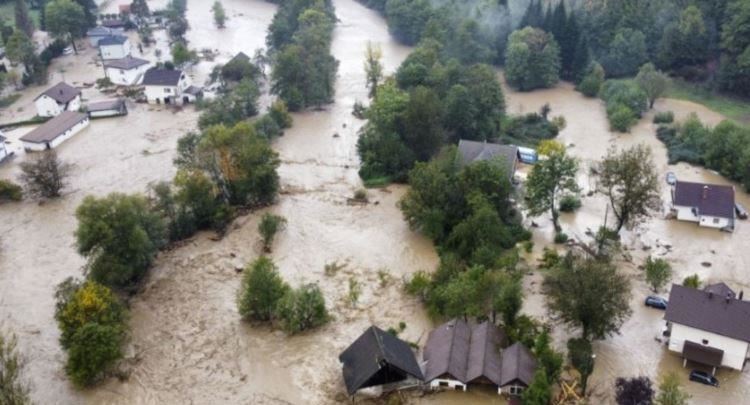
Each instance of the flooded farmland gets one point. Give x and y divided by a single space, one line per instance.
187 342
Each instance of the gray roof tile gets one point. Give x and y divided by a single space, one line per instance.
709 312
710 199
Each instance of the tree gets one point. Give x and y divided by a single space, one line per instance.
302 308
653 82
92 325
45 175
589 294
140 8
592 82
260 291
532 59
373 68
20 49
658 272
670 391
220 16
407 19
120 236
548 358
538 392
10 191
548 179
633 391
66 19
627 52
23 19
422 123
181 54
686 41
630 182
268 226
13 391
735 44
581 356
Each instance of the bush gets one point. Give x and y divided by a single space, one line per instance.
10 191
592 82
692 281
44 175
658 272
664 117
581 357
360 195
302 309
260 291
621 118
268 226
561 237
625 103
419 285
12 390
92 325
528 246
103 83
280 114
570 203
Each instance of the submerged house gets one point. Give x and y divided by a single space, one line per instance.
99 32
710 205
126 71
473 151
709 326
55 131
107 108
380 361
168 87
56 99
459 354
114 47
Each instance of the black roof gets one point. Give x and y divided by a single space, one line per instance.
473 151
375 358
710 199
161 77
704 310
519 365
61 92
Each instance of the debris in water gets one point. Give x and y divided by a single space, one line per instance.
706 264
335 134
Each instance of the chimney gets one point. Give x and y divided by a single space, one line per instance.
728 297
705 192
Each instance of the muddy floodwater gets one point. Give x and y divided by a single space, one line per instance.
188 344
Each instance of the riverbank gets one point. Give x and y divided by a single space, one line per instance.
731 107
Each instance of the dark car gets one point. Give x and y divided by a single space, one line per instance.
656 302
740 210
703 378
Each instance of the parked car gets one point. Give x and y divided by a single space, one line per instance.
656 302
671 179
703 378
68 51
740 210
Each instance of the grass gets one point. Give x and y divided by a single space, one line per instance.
377 182
7 13
731 107
8 100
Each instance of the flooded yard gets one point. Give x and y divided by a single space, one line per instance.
188 344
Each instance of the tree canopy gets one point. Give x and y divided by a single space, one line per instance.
532 59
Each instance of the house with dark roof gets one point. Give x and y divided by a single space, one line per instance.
459 354
379 361
106 108
55 131
473 151
710 205
56 99
709 326
114 47
99 32
167 86
127 71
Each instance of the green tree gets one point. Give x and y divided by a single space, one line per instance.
670 391
629 180
66 19
268 226
45 175
407 19
10 191
22 18
735 44
302 308
260 291
685 42
373 68
658 272
532 59
653 82
181 54
636 390
550 178
220 16
692 281
538 392
423 131
120 236
589 294
548 358
13 391
593 80
627 52
20 49
581 356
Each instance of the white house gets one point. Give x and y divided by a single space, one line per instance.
709 205
99 32
107 108
55 131
167 87
126 71
58 98
710 326
3 150
114 47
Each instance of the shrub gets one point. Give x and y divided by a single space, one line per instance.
10 191
103 83
355 290
561 237
581 357
12 390
621 118
570 203
528 246
658 272
592 82
360 195
692 281
419 285
260 291
302 309
664 117
44 175
280 114
268 227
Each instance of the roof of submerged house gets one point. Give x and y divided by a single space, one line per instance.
518 365
61 92
105 105
113 40
710 199
705 310
161 77
473 151
720 289
54 127
126 63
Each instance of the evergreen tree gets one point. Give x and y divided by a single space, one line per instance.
23 19
581 60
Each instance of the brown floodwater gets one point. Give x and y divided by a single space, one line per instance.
187 342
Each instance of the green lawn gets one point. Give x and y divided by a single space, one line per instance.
733 108
7 14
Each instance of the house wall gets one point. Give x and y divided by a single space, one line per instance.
685 213
735 351
451 384
3 151
37 147
714 222
47 107
74 104
128 77
154 93
104 113
115 51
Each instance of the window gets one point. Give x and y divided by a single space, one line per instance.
515 390
716 220
167 90
705 341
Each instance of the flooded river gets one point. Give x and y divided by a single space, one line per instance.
188 344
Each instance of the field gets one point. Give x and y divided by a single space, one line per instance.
733 108
7 14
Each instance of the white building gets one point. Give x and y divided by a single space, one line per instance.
710 327
709 205
99 32
107 108
164 86
58 98
3 150
126 71
55 131
114 47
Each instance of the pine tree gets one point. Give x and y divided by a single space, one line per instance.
572 47
23 19
581 60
